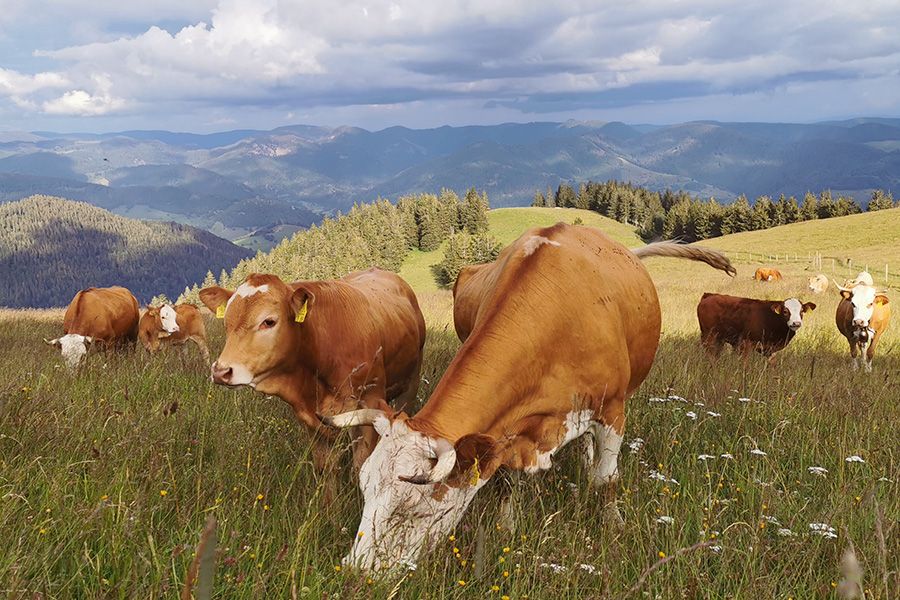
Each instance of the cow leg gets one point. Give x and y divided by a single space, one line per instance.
201 343
854 355
406 401
601 456
711 344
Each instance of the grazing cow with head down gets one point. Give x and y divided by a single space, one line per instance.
560 330
767 274
167 325
108 316
323 347
818 284
862 316
749 324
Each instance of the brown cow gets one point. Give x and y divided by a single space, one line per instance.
106 315
749 324
560 330
322 346
167 325
767 274
862 317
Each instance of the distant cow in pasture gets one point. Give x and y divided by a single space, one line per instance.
324 347
167 325
862 316
107 316
560 330
767 274
748 324
818 284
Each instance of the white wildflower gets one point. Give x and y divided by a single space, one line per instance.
691 415
820 471
713 414
823 529
770 519
715 549
557 569
727 456
589 568
744 400
658 400
636 444
855 459
677 398
665 519
886 480
784 532
705 456
758 452
654 474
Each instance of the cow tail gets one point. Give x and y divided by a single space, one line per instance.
713 258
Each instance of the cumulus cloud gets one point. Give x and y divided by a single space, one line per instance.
522 57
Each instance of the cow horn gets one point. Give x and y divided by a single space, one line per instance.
353 418
88 339
840 287
446 460
52 342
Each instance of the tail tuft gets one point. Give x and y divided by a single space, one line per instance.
713 258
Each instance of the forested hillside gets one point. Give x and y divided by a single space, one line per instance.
679 215
50 248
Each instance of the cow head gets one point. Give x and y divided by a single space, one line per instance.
792 310
863 299
263 316
167 319
73 347
415 487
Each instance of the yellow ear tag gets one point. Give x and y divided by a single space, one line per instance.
476 473
301 314
220 312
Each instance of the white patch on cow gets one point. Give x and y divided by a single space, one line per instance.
167 316
245 290
73 347
795 313
240 375
602 457
535 242
401 519
577 423
863 299
863 278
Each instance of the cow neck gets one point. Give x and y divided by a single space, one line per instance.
483 385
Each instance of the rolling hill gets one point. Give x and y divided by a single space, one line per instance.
239 182
507 224
50 248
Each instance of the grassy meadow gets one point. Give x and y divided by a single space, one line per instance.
107 476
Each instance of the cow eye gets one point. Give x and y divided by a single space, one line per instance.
267 324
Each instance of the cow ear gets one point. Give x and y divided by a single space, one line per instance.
776 307
477 458
846 294
809 306
881 299
215 297
301 302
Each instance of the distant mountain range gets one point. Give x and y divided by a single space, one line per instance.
254 186
50 248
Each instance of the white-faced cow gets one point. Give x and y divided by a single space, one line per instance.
323 347
862 278
862 316
167 325
748 324
560 330
108 316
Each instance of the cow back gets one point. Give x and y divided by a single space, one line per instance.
106 314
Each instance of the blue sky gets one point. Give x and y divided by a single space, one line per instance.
210 65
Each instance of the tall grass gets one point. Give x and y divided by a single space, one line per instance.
108 476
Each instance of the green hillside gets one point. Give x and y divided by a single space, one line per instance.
506 224
871 238
50 248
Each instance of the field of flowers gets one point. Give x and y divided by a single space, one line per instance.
740 479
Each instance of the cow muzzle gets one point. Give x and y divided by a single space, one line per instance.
794 325
221 375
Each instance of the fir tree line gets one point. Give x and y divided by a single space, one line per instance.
671 215
378 234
